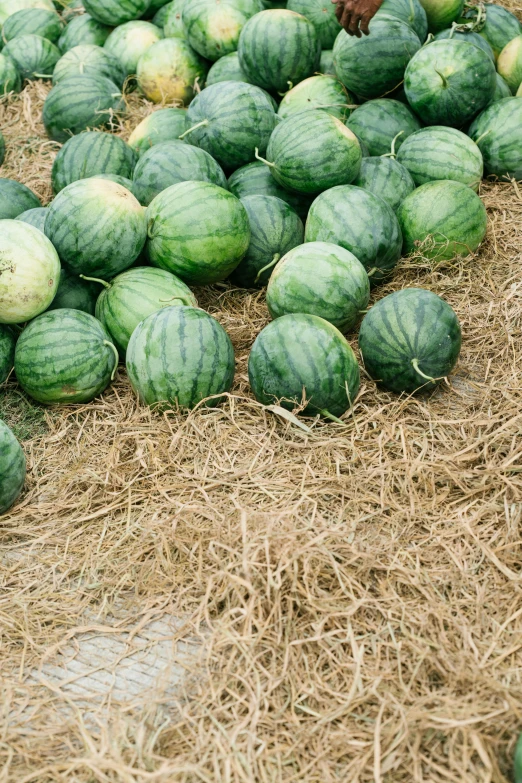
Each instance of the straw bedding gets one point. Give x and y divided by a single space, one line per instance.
354 591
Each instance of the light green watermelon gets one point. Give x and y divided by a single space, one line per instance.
75 293
321 13
255 179
162 125
227 69
439 152
212 27
12 468
168 71
38 21
15 198
78 103
7 349
509 64
497 132
318 92
160 17
10 7
378 123
173 26
91 153
10 79
83 30
34 56
88 60
386 178
128 42
116 12
35 217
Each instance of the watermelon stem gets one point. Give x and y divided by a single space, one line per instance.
96 280
330 416
201 124
444 80
267 162
393 154
415 363
176 299
116 356
268 266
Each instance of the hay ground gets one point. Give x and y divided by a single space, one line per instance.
358 587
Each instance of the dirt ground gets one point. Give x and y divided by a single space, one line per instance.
352 593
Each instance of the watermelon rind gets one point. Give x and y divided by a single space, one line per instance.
318 92
15 198
509 63
10 79
35 217
91 153
75 293
161 15
12 468
128 184
7 349
33 55
212 28
502 90
468 36
78 103
173 23
321 13
380 121
326 63
441 13
409 11
10 7
88 60
83 30
128 42
169 71
115 12
386 178
255 179
33 20
226 69
162 125
500 28
497 132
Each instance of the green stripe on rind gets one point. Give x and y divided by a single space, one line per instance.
83 30
62 357
381 121
321 279
502 90
442 153
213 28
37 21
386 178
91 153
180 356
12 468
161 125
409 11
301 356
33 55
275 229
441 13
115 12
197 231
467 37
362 223
78 103
498 134
239 117
35 217
321 13
448 82
136 294
10 79
7 349
128 42
227 69
173 23
277 48
88 60
255 179
75 293
408 325
317 92
15 198
373 65
442 220
500 28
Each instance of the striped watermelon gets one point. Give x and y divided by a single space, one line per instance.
35 217
115 12
313 152
162 125
275 228
88 60
34 56
97 227
91 153
409 11
75 293
387 178
326 63
213 26
15 198
442 220
180 356
441 13
135 294
80 102
172 162
374 64
226 69
2 148
509 63
197 231
7 349
439 152
83 30
128 184
12 468
362 223
65 356
500 28
29 272
33 20
229 120
255 179
160 17
449 82
381 121
410 340
321 13
502 90
498 135
130 41
468 36
317 92
173 26
10 7
278 48
322 279
10 79
168 71
302 359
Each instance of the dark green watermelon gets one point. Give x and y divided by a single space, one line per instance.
7 349
34 56
78 103
10 79
381 121
255 179
441 13
88 60
502 90
12 468
34 216
500 27
91 153
83 30
15 198
75 293
116 12
409 11
439 152
386 178
37 21
468 36
497 131
212 28
162 125
227 69
410 340
318 92
321 13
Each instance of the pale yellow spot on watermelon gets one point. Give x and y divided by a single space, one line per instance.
113 193
346 131
223 29
167 88
509 64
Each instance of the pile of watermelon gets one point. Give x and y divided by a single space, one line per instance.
285 154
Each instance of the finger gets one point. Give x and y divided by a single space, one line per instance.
365 23
346 19
353 28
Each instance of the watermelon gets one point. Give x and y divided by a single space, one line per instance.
197 231
226 69
160 17
35 217
34 56
2 148
255 179
29 272
442 220
409 11
212 27
381 121
75 293
162 125
10 7
7 349
321 13
275 228
502 90
33 20
135 294
171 162
89 60
10 79
441 13
317 92
128 184
439 152
497 131
278 48
322 279
468 36
509 63
80 102
173 25
302 359
91 153
115 12
229 120
180 356
168 71
15 198
326 63
313 152
83 30
65 356
410 340
362 223
130 41
97 227
374 64
387 178
500 28
517 762
12 468
449 82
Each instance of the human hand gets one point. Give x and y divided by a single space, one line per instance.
355 15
